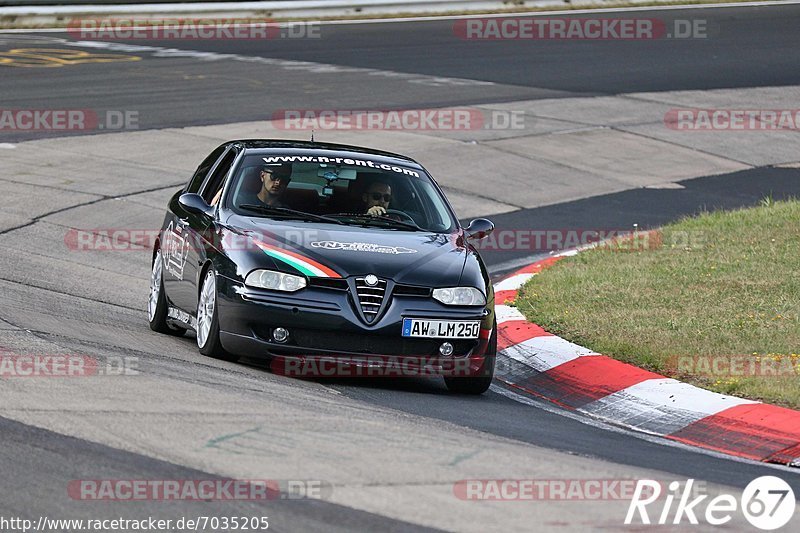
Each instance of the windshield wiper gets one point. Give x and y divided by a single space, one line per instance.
293 213
366 220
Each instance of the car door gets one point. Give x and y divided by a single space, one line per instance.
175 245
197 229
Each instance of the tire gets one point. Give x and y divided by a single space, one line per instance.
208 319
157 303
477 384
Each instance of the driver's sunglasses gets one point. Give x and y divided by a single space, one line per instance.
273 177
377 196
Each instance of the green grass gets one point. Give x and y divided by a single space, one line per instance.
720 284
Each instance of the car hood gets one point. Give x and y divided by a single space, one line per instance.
415 258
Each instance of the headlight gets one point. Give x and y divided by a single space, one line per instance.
277 281
459 296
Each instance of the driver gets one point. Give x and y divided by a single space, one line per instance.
377 198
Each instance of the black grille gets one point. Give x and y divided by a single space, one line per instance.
370 298
411 290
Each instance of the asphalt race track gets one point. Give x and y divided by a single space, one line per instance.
386 452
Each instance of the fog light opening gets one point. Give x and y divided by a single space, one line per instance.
280 335
446 349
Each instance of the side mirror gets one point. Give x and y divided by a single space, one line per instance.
479 228
195 204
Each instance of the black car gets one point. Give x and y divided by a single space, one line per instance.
277 249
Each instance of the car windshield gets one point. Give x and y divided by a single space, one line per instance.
356 192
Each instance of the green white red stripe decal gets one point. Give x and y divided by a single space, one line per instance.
307 266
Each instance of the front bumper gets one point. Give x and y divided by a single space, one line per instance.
323 323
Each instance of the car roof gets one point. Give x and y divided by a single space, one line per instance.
327 149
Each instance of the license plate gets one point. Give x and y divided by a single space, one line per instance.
441 329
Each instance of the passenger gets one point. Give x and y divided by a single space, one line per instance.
274 180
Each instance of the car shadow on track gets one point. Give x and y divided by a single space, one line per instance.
425 385
422 385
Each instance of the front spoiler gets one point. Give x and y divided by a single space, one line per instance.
343 364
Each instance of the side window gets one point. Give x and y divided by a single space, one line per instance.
202 171
216 180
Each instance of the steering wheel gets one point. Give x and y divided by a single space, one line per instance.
404 217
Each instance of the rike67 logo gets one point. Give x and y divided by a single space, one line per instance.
768 503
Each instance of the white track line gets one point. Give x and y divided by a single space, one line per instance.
493 15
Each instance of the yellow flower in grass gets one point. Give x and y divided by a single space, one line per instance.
729 382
